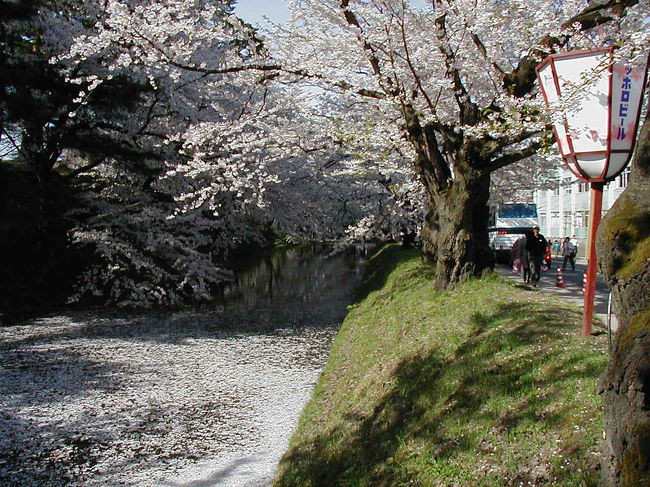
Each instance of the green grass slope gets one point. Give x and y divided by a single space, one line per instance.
484 385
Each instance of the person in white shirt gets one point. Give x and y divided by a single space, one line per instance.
569 253
574 242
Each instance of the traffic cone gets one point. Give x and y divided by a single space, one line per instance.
559 282
584 283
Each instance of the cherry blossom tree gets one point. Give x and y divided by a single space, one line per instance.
163 235
344 179
90 98
209 125
457 80
183 149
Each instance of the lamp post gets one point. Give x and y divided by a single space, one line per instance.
595 105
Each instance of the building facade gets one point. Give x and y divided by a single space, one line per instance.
564 210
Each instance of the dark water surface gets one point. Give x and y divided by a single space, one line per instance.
295 286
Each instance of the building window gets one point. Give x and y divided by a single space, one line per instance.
581 218
567 185
568 220
542 220
623 179
555 215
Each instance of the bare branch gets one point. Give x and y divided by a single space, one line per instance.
13 142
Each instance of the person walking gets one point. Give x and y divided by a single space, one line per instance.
522 255
536 247
574 242
569 253
556 248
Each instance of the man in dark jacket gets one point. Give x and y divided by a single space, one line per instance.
536 247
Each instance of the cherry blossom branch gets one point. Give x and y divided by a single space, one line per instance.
516 156
418 80
86 168
513 157
277 68
521 80
372 57
468 110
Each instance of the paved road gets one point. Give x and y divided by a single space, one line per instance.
573 290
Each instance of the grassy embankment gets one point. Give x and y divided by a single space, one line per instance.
485 385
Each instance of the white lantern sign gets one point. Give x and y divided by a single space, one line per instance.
596 127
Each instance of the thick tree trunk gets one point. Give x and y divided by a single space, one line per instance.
624 254
455 235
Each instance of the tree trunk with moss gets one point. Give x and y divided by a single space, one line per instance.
623 247
454 235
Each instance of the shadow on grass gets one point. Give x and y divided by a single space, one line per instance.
381 266
431 392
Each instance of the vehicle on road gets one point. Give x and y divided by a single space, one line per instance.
508 222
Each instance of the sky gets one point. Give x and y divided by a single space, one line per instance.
253 11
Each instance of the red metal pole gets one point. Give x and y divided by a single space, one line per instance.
590 291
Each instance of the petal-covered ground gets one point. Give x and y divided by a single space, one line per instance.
99 398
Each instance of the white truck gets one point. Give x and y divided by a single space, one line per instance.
507 223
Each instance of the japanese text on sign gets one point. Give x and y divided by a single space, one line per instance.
626 86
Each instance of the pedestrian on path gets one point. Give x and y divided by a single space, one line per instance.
556 248
522 256
536 246
574 242
568 252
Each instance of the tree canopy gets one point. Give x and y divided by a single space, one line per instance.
189 134
455 82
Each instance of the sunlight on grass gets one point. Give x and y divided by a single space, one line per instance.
487 384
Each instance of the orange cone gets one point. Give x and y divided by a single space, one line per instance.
559 282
